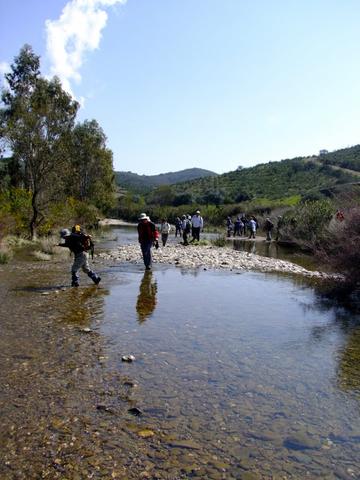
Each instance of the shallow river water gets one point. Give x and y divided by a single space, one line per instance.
236 376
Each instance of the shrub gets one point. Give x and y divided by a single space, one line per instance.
341 247
305 225
5 254
219 241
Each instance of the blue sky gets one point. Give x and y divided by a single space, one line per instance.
201 83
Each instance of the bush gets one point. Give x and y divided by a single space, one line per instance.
5 254
219 241
341 248
306 224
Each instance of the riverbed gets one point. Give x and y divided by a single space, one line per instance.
237 375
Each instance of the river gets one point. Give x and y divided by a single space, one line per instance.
236 376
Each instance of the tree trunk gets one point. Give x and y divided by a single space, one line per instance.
33 221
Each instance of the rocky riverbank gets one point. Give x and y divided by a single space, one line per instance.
208 257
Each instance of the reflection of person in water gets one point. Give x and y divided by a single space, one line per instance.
146 301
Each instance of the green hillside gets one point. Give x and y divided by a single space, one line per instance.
273 180
144 183
348 158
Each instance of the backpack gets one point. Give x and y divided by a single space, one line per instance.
87 243
188 226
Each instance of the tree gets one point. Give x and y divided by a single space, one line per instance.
91 176
36 118
162 195
182 199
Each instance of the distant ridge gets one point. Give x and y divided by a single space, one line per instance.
142 183
308 177
305 177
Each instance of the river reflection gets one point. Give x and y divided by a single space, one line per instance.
241 373
346 323
146 301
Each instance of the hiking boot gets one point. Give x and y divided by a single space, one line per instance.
95 278
74 280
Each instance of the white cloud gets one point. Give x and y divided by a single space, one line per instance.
77 31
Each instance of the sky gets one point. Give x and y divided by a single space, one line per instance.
211 84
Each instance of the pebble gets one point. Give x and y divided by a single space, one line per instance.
208 257
135 411
128 358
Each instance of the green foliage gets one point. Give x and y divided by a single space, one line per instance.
90 174
305 224
273 180
162 196
348 158
5 254
15 211
340 248
57 171
219 241
37 116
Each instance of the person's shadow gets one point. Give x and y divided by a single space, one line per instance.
146 301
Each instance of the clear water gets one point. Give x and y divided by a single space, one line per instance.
237 376
251 368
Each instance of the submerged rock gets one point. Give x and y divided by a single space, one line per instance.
135 411
188 444
301 441
128 358
146 433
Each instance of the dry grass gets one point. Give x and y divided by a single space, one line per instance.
41 256
5 254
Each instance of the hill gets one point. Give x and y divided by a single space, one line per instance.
347 158
305 176
145 183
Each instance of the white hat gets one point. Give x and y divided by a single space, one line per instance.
197 211
64 233
143 216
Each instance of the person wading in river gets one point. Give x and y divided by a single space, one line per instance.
148 236
79 244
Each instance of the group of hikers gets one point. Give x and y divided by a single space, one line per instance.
245 225
80 244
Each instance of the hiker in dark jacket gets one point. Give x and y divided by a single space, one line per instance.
148 236
79 244
238 226
268 227
178 227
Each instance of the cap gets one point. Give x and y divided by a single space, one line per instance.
65 232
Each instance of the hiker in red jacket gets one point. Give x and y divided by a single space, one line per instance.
148 236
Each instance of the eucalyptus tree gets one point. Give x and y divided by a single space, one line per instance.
91 172
36 120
